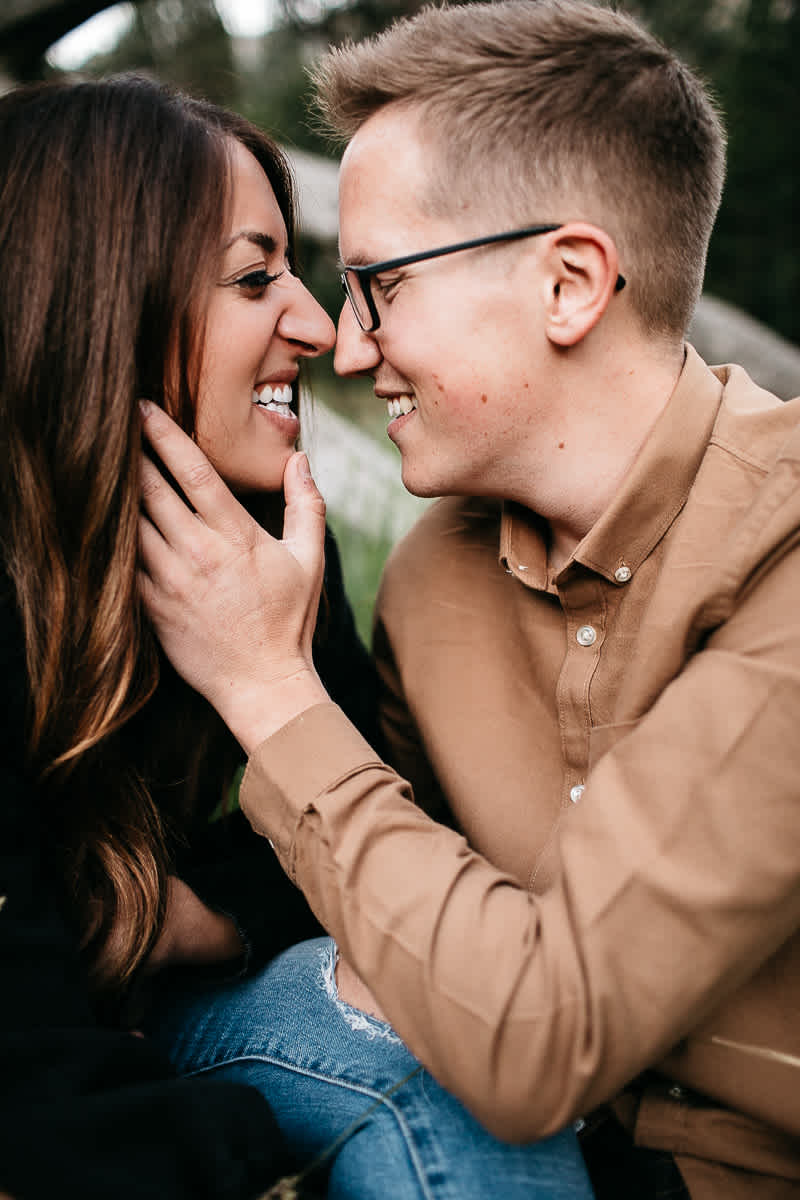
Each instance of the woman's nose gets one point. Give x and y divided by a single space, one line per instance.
305 322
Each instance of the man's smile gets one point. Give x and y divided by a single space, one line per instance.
398 406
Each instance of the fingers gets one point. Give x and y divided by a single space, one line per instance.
194 474
304 517
233 608
164 507
158 565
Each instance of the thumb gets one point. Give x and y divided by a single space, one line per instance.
304 516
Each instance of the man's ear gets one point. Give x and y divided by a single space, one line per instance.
580 278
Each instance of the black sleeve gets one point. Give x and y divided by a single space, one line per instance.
235 871
85 1111
91 1112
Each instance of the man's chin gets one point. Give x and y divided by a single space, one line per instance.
418 483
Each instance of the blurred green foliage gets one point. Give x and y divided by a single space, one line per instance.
747 51
363 557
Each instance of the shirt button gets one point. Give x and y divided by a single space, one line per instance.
586 635
622 574
576 792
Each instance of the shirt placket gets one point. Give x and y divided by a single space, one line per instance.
583 603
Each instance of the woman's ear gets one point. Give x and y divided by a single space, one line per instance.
580 278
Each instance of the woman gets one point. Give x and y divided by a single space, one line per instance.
113 199
146 251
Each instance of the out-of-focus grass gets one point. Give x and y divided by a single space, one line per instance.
363 553
363 557
353 399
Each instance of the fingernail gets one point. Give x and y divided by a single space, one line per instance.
303 467
145 407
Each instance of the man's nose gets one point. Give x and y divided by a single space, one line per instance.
356 353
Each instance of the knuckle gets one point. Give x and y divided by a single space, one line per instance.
201 474
242 535
200 559
158 428
151 485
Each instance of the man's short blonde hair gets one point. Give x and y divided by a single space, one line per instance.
539 110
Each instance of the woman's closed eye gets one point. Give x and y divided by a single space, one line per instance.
255 283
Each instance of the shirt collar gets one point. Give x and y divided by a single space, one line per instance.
652 495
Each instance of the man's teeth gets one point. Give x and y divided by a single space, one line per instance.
277 399
398 406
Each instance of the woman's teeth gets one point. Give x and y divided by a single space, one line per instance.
398 406
277 399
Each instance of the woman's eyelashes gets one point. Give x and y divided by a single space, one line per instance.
255 282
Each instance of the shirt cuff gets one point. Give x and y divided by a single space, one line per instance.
308 756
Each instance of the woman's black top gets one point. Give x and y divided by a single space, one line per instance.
92 1112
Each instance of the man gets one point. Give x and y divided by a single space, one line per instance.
590 650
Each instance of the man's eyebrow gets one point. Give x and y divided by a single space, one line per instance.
358 260
262 240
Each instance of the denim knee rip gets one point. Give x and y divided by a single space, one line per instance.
358 1021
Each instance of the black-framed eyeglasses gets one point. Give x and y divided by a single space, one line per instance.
357 281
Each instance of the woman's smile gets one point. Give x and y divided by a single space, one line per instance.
261 321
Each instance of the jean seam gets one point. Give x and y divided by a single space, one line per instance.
385 1101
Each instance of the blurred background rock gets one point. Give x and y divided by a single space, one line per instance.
252 55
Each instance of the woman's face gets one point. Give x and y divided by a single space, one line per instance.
260 322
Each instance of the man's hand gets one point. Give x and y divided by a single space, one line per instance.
233 607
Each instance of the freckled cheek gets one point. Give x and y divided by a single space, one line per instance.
461 397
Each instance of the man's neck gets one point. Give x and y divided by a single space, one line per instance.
608 426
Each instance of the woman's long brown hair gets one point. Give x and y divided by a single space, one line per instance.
113 201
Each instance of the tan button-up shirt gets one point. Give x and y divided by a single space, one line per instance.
617 748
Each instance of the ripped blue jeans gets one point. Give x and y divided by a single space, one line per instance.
337 1078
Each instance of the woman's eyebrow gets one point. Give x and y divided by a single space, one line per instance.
262 240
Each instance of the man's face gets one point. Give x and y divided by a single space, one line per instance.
460 343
